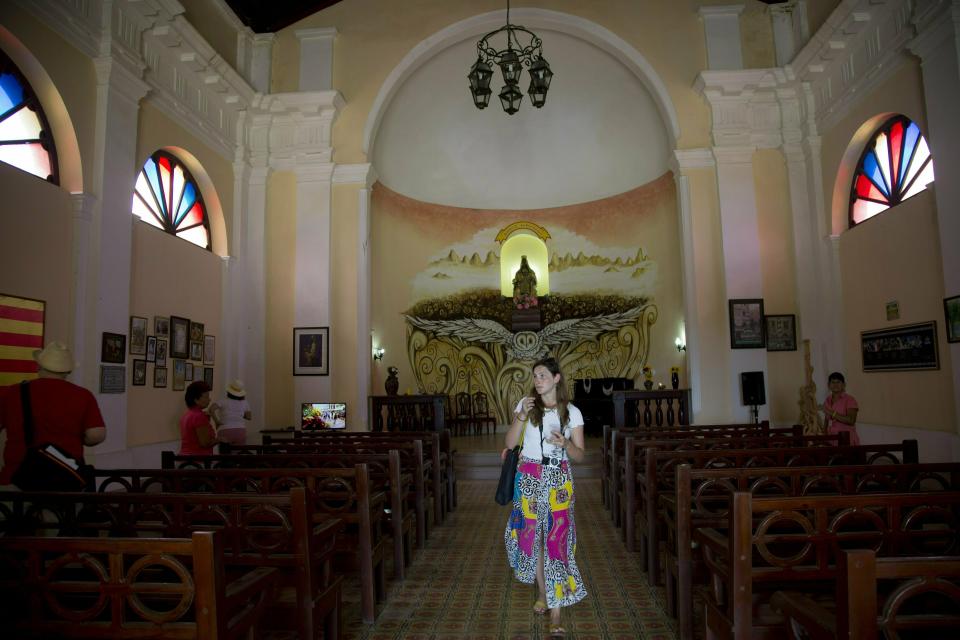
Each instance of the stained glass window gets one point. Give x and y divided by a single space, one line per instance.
168 197
895 166
26 141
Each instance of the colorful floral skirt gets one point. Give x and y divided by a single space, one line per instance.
543 512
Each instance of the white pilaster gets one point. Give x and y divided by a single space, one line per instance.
721 26
316 58
790 29
84 206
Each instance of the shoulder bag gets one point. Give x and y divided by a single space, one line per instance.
508 472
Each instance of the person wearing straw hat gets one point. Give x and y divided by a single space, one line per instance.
64 414
232 413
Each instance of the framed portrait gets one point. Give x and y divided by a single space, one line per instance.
161 356
179 374
160 377
179 338
905 348
151 348
781 332
113 378
113 348
208 376
26 332
139 373
196 332
746 323
161 327
209 349
188 372
311 351
138 335
196 351
951 315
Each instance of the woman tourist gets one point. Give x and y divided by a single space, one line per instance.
840 408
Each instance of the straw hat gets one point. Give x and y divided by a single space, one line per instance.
55 357
235 389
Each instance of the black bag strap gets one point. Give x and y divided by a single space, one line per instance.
27 413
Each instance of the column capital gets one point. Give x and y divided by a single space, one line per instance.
685 159
360 173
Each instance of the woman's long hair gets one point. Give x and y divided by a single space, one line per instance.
536 414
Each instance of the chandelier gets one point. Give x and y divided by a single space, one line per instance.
511 61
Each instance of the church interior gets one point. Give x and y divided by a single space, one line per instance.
361 210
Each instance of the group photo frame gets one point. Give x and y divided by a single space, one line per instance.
311 351
909 347
746 323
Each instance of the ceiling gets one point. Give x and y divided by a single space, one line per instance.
268 17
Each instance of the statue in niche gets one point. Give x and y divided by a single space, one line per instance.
524 281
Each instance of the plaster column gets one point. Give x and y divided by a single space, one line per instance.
938 45
119 91
316 58
84 206
790 29
741 259
255 51
721 26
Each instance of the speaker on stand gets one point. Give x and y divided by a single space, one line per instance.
752 393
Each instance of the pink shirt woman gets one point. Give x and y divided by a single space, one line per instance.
840 408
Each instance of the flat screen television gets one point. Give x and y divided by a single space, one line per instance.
323 415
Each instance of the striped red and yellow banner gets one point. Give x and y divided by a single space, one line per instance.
21 332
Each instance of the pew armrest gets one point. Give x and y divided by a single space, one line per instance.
818 623
712 539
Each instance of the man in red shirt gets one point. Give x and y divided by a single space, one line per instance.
64 414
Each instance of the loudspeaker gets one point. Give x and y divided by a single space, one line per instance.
751 388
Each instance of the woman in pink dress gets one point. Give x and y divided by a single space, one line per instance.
840 408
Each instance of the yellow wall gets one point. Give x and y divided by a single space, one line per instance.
169 277
280 269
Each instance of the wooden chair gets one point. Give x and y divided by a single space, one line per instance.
463 413
481 414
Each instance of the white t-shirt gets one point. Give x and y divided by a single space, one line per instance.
231 413
551 422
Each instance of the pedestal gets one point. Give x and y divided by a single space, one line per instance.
526 320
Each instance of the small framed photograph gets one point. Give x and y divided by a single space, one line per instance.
893 310
161 355
196 332
151 348
951 315
209 344
196 351
138 335
139 373
179 375
781 332
208 376
179 339
746 323
311 351
113 348
905 348
161 326
113 379
160 377
188 372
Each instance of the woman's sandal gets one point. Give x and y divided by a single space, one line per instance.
540 607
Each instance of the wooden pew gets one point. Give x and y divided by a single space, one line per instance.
275 530
888 594
82 587
658 475
792 544
702 498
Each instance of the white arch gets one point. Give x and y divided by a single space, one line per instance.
64 135
601 37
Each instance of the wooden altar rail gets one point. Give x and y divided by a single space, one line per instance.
424 404
648 407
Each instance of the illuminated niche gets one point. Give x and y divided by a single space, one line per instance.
524 239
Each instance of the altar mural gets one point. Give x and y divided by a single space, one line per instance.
612 265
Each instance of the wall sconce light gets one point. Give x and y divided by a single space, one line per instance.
680 345
378 353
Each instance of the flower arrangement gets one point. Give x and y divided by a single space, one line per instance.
647 372
674 370
525 301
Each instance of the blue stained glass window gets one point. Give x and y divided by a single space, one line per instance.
166 196
26 140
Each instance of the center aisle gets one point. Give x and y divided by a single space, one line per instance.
461 586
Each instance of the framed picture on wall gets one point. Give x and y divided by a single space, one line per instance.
179 374
196 332
905 348
151 348
196 351
160 377
781 332
179 339
113 379
209 344
161 326
746 324
139 373
161 355
188 372
951 315
311 351
113 348
208 376
138 335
